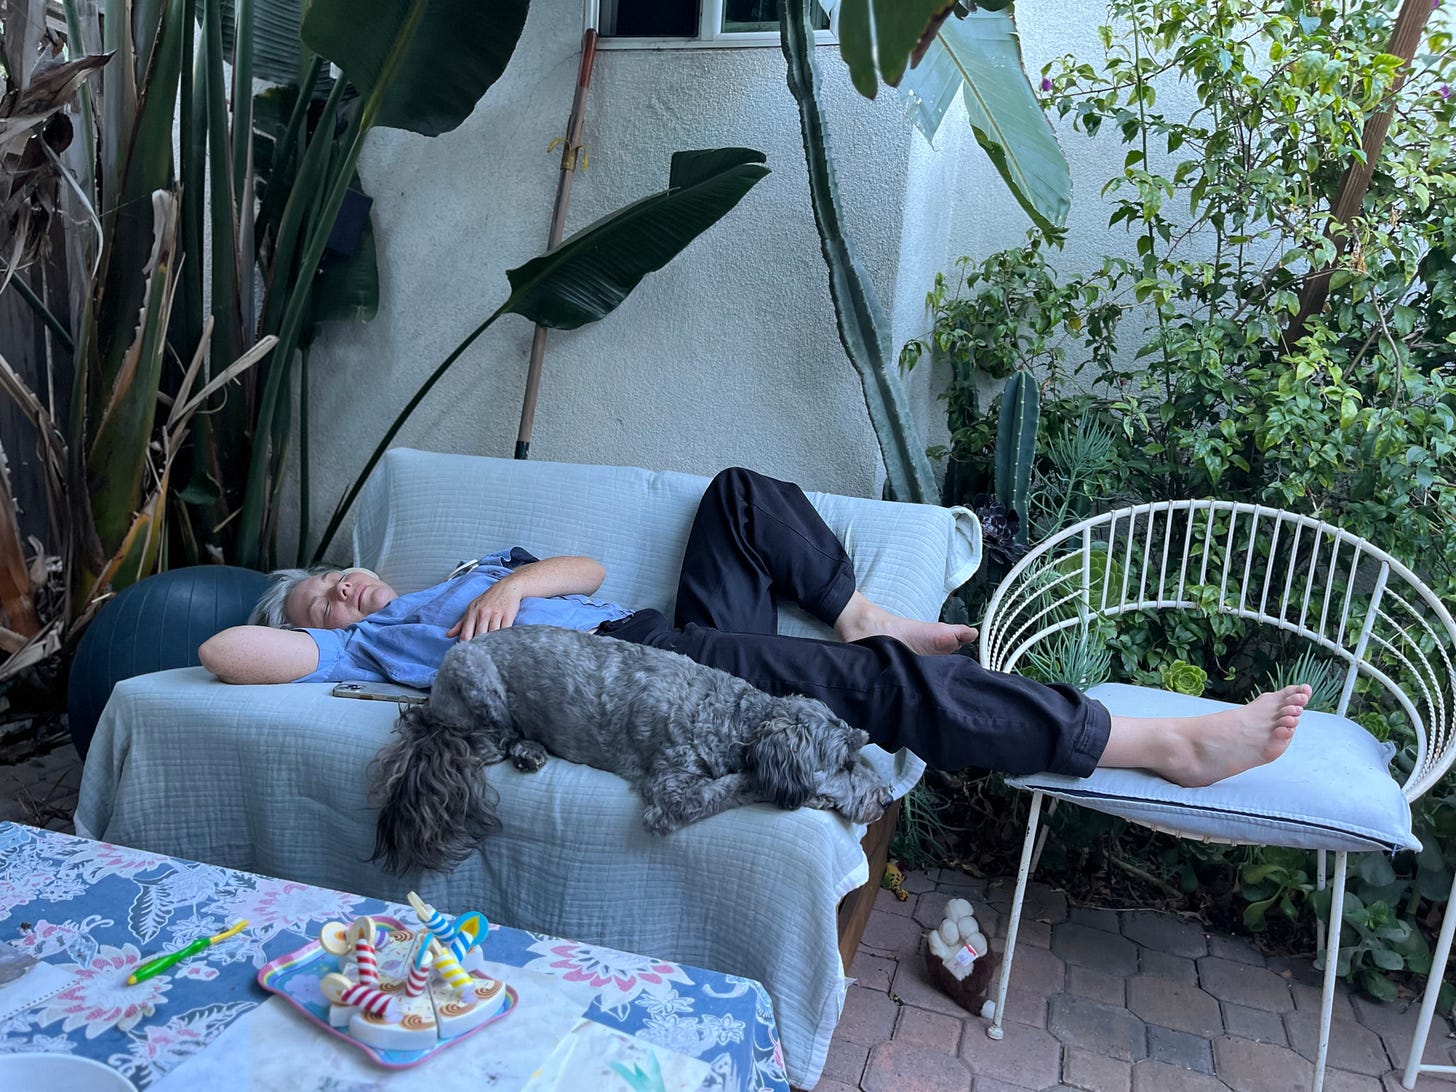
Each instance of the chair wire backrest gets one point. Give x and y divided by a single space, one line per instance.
1298 574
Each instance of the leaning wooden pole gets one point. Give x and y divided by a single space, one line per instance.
569 149
1410 25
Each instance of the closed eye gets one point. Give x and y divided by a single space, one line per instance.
323 601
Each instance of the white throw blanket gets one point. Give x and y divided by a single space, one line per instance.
185 765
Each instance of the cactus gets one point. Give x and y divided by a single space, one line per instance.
860 315
1016 446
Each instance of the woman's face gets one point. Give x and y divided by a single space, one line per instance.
335 599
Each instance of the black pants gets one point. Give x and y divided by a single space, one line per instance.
756 541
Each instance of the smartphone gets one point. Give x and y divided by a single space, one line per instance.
380 691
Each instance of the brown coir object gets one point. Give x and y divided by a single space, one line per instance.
970 992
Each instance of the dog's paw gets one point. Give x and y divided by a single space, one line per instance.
657 821
528 756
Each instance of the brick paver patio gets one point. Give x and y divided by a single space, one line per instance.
1106 1001
1100 1000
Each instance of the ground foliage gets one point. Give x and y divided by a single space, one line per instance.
1173 374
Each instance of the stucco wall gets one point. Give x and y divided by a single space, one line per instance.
728 355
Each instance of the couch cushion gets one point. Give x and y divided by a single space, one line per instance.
1330 790
422 512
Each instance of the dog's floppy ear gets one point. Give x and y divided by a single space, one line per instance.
780 758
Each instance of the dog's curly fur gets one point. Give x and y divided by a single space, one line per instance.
693 740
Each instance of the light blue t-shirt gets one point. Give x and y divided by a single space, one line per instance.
405 641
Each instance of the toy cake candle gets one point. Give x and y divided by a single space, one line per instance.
449 967
340 990
361 939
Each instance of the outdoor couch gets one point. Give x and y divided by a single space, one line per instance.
273 779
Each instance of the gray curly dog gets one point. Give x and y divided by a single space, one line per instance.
692 739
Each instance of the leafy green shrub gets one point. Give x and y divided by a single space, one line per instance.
1200 366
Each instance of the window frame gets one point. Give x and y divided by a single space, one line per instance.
710 33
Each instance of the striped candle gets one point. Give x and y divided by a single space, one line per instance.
418 976
367 960
367 998
442 928
446 963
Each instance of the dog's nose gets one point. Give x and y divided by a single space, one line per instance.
886 799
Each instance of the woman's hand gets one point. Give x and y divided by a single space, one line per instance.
497 606
493 609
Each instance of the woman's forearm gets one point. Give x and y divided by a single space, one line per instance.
556 576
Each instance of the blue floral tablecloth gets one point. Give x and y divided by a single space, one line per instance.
97 910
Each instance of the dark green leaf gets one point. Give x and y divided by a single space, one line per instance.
278 53
1387 959
422 64
1378 986
588 275
200 490
1374 869
876 37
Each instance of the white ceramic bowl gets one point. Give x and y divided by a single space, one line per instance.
59 1073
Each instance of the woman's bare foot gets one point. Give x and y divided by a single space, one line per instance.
862 618
1196 751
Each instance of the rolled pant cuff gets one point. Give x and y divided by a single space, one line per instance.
835 597
1087 743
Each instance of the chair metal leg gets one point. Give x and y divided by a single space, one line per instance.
1413 1066
1319 885
1332 960
1014 925
1051 809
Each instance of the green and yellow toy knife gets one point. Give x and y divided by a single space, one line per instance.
161 963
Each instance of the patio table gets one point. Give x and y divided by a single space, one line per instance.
96 910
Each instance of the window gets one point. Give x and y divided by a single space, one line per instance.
671 23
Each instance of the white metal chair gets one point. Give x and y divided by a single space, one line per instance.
1363 610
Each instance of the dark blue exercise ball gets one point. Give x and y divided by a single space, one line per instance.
156 624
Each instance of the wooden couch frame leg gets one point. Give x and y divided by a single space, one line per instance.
854 908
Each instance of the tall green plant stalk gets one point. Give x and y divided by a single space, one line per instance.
859 315
1016 447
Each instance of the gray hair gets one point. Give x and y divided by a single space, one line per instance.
270 609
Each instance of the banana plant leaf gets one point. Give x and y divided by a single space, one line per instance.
421 65
980 56
585 278
589 274
878 37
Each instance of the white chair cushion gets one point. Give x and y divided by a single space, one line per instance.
1330 790
421 513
